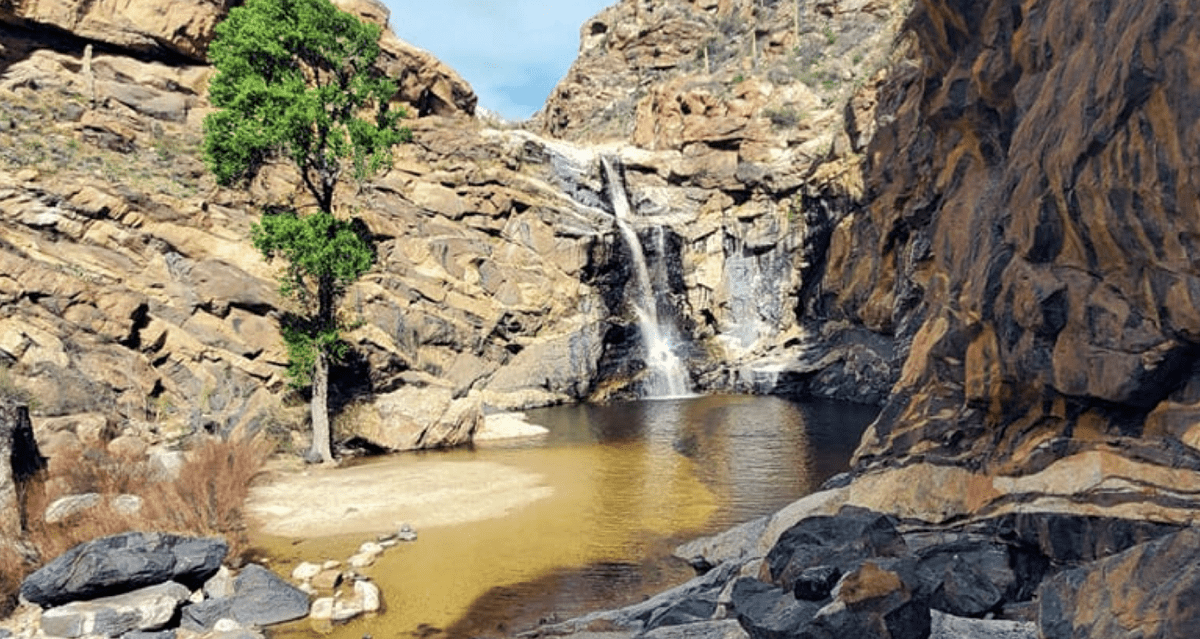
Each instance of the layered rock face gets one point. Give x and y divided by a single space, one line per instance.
134 307
1026 235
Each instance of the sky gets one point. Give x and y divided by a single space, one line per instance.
512 52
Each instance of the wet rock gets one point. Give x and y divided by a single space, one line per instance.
122 563
148 608
1147 591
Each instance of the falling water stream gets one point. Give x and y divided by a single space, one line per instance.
668 377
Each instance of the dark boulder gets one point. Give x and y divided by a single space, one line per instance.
1071 539
767 612
816 583
1151 591
880 598
854 534
260 598
123 563
684 612
966 577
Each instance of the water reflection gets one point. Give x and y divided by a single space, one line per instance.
629 482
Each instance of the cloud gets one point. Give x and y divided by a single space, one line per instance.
512 52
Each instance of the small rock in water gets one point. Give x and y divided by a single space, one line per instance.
331 564
322 609
346 610
406 533
305 571
370 548
327 579
368 593
362 560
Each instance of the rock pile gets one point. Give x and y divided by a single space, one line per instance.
341 592
161 584
861 573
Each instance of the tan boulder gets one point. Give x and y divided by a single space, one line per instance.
413 418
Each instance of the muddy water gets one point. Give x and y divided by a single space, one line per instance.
605 496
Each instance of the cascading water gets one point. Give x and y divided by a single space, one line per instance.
668 377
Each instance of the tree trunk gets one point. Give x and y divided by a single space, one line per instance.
321 436
321 450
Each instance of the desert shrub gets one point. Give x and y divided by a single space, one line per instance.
205 499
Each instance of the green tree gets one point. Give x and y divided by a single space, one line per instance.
297 80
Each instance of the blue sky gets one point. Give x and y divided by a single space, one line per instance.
512 52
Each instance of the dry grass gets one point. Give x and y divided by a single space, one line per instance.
205 499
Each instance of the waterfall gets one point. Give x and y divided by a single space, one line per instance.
668 377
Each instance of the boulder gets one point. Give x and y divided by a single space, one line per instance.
723 629
305 571
854 534
768 612
816 583
68 506
967 577
878 599
145 609
219 585
123 563
944 626
416 417
260 598
1148 591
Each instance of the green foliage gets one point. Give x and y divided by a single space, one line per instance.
784 117
323 254
315 247
830 36
295 78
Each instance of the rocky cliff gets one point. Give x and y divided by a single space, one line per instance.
1025 237
133 304
977 216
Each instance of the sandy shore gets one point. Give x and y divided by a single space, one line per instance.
378 497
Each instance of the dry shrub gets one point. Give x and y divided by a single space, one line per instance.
205 499
13 568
